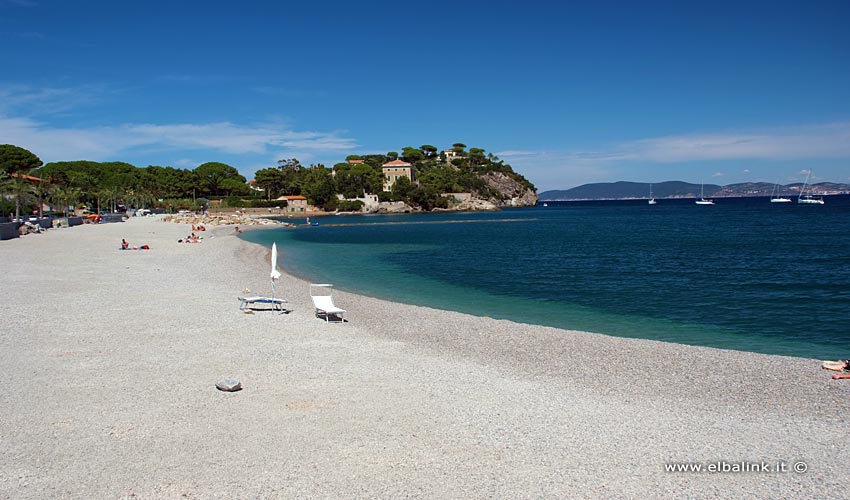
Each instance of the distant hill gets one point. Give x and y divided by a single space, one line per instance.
623 190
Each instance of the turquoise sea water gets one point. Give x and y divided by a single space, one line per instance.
744 274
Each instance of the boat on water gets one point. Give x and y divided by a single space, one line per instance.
806 197
545 204
778 199
702 200
651 199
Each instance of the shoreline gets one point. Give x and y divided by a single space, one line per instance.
489 305
112 357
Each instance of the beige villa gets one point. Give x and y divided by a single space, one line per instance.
394 170
295 203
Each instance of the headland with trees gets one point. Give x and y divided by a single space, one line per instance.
114 186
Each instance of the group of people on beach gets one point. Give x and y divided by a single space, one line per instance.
192 238
199 227
126 246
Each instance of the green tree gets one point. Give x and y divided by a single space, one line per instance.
18 162
212 176
402 188
412 155
22 188
428 198
430 151
271 181
318 187
66 196
292 163
476 156
235 187
292 172
392 155
459 147
353 181
14 159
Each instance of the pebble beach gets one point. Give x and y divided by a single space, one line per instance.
110 360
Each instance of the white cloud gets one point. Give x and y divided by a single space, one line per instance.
554 169
53 143
810 141
24 100
718 174
571 168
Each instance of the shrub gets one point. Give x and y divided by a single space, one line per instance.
233 202
349 205
259 203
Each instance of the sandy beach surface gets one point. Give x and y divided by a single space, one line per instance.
110 359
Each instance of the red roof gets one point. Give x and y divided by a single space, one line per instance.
294 197
396 163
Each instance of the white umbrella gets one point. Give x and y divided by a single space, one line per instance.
275 274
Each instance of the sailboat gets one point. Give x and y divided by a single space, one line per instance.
778 199
702 200
651 199
807 198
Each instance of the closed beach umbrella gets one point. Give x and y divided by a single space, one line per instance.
275 273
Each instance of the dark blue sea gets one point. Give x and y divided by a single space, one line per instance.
744 274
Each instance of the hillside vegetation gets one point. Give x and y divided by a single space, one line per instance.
119 185
475 171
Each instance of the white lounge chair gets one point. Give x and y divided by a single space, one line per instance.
322 295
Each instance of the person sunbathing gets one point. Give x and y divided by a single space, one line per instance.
126 246
838 366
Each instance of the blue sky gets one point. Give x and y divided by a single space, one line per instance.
567 94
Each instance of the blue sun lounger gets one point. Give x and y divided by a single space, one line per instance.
277 304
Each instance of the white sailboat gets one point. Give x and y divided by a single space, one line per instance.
807 198
702 200
651 199
778 199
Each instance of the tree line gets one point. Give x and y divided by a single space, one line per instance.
436 174
110 185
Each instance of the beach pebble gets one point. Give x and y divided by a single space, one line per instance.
229 385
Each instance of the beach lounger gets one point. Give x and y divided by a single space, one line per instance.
322 295
277 304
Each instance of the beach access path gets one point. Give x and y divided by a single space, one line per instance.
110 358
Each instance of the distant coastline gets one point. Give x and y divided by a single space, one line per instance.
624 190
